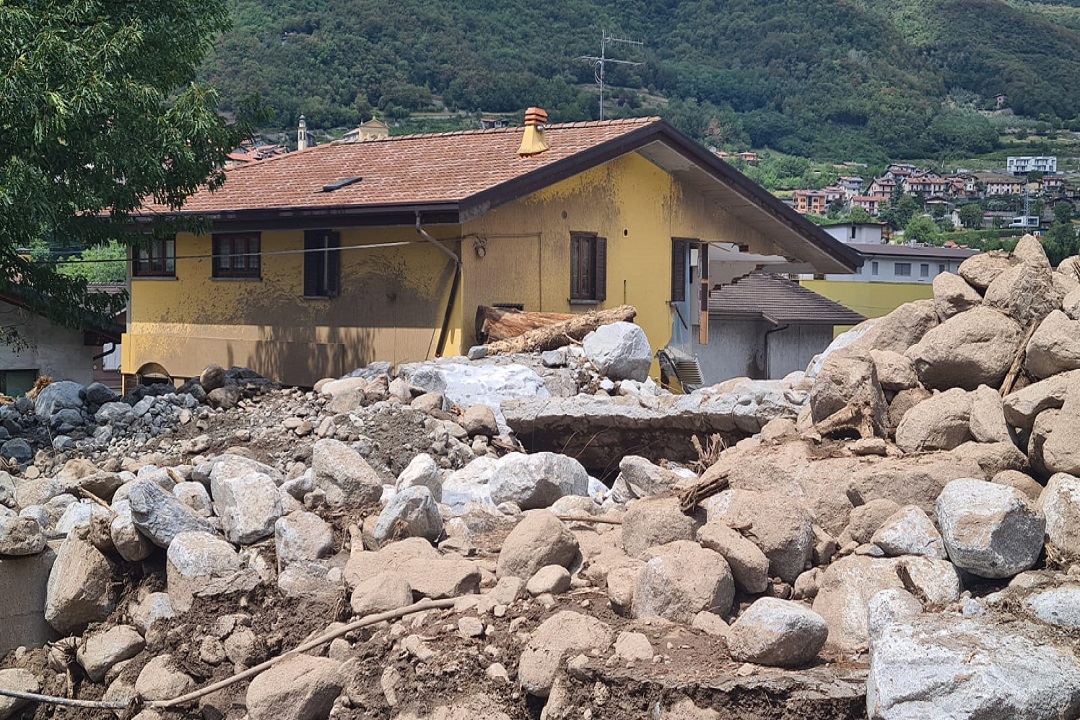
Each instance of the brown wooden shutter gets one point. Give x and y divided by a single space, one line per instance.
601 268
678 270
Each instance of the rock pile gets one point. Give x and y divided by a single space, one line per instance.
909 503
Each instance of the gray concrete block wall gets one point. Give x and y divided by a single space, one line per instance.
22 601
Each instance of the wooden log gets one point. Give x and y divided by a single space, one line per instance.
1018 361
555 336
689 498
493 324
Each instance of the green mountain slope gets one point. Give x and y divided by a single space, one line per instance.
842 78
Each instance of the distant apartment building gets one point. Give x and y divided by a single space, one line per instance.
998 185
1024 164
1051 184
872 204
810 202
859 233
851 184
925 184
882 186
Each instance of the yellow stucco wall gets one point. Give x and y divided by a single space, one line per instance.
872 299
393 300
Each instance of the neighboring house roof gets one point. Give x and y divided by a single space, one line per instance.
913 251
455 177
778 300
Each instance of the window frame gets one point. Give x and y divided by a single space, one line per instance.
322 264
924 270
588 269
873 267
229 249
157 259
902 269
680 268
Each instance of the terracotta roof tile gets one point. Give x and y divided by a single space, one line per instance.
399 170
779 300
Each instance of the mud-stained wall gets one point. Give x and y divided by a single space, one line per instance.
51 350
391 307
520 253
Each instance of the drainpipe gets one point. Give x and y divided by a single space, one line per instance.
778 328
111 346
447 316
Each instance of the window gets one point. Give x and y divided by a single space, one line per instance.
680 260
155 259
924 270
17 382
873 268
588 268
853 231
902 269
941 267
322 263
237 256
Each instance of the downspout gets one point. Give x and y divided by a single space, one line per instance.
448 315
778 328
112 346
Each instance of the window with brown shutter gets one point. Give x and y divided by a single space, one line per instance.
322 263
588 268
680 259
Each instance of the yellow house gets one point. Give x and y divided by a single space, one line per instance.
321 261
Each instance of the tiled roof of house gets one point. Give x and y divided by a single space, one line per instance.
953 253
405 170
778 300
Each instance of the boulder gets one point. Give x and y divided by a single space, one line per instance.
655 521
21 681
749 566
989 530
953 295
388 590
988 416
539 539
421 470
1055 438
302 537
847 379
212 377
550 579
682 580
775 632
1059 504
537 480
941 422
779 525
310 582
1058 606
193 559
18 450
480 420
633 647
1030 251
563 634
909 531
159 515
991 458
80 587
148 609
101 650
57 396
1022 482
982 269
967 350
904 401
867 518
161 679
20 536
976 668
844 593
195 496
1024 405
1025 293
899 330
1054 347
894 371
638 478
248 507
114 413
888 607
224 398
344 475
469 486
430 573
620 351
934 580
130 544
411 513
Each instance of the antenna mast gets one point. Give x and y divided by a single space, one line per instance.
600 62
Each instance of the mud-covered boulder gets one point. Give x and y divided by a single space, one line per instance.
967 350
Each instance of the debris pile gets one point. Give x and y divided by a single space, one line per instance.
892 534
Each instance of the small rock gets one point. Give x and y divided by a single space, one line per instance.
776 632
307 686
633 647
553 579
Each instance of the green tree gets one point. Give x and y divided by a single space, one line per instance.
859 215
1063 213
921 229
971 216
1061 241
99 264
900 211
99 112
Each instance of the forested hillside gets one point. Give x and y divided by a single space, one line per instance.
832 78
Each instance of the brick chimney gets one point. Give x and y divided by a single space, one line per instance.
533 141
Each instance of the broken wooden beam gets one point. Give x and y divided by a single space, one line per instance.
494 324
562 333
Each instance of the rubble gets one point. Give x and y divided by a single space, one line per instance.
891 534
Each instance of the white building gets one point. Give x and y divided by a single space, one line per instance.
905 263
857 233
1022 165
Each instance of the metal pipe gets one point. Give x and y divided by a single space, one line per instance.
442 248
448 315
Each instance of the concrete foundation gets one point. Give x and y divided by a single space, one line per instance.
22 601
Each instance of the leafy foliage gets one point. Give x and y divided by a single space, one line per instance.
869 79
98 111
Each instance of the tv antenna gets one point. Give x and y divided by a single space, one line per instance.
600 62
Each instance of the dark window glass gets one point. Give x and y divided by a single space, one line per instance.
237 255
322 263
155 259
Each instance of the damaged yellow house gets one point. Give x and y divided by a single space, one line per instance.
321 261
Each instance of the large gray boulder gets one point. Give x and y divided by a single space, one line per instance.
345 476
537 480
539 539
990 530
563 634
1059 503
978 668
988 423
682 580
421 470
953 295
1054 445
248 507
779 525
898 330
57 396
1059 606
1024 405
302 536
304 685
909 531
1024 292
844 593
429 573
80 588
192 560
967 350
19 680
941 422
130 544
620 351
159 515
20 536
982 269
638 478
749 565
777 632
1054 347
412 512
655 521
101 650
848 378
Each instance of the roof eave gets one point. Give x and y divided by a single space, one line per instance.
342 216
